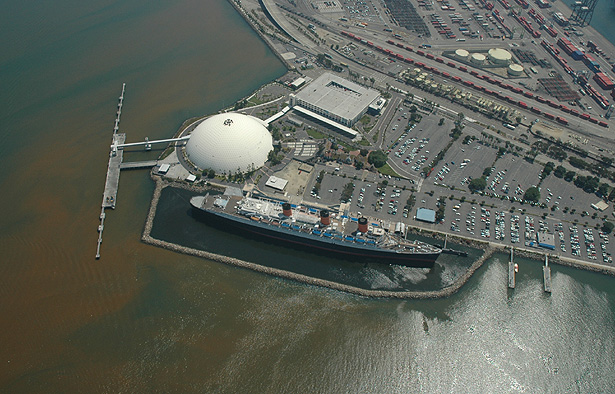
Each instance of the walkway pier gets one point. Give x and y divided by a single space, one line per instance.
131 165
116 164
546 273
113 172
511 271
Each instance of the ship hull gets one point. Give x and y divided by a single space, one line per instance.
313 244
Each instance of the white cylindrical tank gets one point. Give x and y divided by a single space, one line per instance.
462 54
499 56
515 70
478 58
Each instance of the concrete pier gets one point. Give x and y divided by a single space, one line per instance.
113 172
511 271
546 273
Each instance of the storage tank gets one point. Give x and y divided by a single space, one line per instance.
499 56
478 58
462 54
515 70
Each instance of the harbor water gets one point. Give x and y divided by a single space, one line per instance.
143 319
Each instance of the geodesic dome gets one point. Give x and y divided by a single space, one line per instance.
229 142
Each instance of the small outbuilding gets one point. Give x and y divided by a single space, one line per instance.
546 240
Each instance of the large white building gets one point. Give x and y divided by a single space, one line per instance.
335 98
230 142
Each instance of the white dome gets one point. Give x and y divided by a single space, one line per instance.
229 142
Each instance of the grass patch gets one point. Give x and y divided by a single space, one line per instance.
317 135
364 142
387 170
255 101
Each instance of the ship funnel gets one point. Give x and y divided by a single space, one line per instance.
286 209
363 225
324 217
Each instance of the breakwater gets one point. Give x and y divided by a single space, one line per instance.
445 292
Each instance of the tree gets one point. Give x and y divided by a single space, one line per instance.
274 158
569 176
607 227
477 184
603 189
364 152
560 171
211 174
532 194
377 158
441 122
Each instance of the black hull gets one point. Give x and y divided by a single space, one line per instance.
330 248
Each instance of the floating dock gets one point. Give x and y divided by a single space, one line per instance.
546 273
511 271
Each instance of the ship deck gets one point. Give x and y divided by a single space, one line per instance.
306 220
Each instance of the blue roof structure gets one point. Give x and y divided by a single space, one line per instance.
426 215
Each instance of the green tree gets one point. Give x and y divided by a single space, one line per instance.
569 176
607 227
477 184
532 194
274 158
603 189
560 171
377 158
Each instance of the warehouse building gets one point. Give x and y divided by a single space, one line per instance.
335 99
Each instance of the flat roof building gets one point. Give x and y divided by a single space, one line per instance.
335 98
546 240
276 183
426 215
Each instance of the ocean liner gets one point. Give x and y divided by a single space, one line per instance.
322 232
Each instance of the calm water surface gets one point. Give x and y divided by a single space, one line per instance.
143 319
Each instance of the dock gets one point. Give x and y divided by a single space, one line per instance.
113 172
116 164
546 273
511 271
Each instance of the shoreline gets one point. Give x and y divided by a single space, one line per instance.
489 249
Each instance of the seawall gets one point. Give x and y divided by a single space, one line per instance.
147 238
